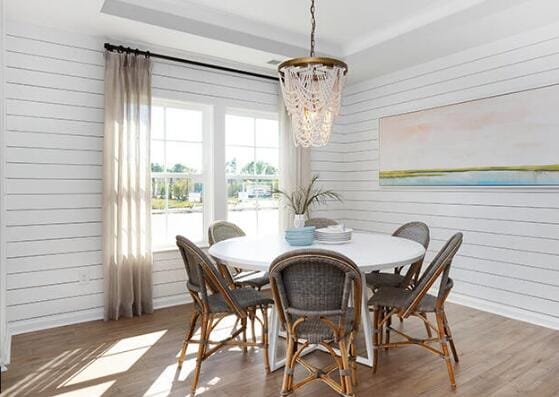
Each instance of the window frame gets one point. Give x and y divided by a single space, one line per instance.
254 114
206 174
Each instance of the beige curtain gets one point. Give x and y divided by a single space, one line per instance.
295 164
127 257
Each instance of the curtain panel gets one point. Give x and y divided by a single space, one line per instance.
295 165
127 257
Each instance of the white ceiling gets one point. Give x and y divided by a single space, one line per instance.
340 24
374 36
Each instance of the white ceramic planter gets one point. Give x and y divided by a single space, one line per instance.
299 221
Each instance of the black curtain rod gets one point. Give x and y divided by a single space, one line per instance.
120 48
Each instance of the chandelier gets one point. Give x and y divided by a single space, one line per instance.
312 92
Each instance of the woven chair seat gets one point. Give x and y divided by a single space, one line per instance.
379 280
316 331
398 298
252 279
245 297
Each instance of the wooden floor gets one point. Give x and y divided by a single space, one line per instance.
137 357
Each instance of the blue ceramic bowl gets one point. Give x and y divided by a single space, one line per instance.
301 236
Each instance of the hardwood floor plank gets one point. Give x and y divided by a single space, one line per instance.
137 357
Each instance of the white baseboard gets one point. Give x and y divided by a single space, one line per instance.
168 301
505 311
58 320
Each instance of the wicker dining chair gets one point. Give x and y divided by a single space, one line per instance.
320 223
237 278
223 230
415 231
389 301
213 301
312 291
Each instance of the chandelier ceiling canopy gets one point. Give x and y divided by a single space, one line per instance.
312 91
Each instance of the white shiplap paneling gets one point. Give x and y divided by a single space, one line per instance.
509 263
54 142
54 93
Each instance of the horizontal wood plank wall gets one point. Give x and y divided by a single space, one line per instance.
509 263
54 90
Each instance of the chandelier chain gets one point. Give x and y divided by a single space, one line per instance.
313 27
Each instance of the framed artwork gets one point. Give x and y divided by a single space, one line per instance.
505 140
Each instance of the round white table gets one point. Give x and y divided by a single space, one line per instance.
370 251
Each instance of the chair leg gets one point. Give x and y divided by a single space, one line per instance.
204 337
346 381
450 338
253 325
388 325
353 362
265 338
288 369
376 337
235 325
244 326
444 347
427 327
187 338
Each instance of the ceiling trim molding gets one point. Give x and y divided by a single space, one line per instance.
204 21
192 18
407 25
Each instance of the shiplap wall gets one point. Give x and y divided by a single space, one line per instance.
54 92
509 262
5 339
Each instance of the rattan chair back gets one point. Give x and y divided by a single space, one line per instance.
315 283
439 267
320 223
219 231
223 230
203 275
418 232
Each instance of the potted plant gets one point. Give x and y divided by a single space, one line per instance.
301 200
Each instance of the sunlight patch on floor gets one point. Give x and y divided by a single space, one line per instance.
214 381
117 359
164 382
90 391
135 342
163 385
41 372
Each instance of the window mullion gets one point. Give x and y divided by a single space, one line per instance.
255 173
165 180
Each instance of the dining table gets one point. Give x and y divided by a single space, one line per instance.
369 251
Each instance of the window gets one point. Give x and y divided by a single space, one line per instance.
252 171
179 170
185 155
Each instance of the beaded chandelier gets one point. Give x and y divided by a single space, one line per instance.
312 92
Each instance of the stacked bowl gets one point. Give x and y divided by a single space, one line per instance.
301 236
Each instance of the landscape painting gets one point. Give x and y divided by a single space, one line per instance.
505 140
